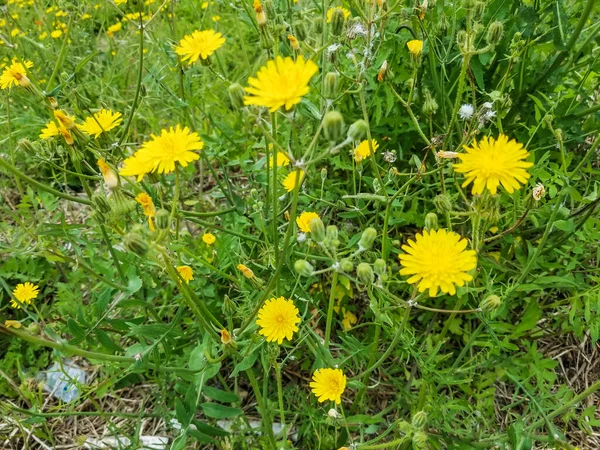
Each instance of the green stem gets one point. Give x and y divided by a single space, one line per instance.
330 309
280 395
384 445
264 412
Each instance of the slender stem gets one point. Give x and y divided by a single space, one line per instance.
264 412
507 231
280 394
384 445
330 309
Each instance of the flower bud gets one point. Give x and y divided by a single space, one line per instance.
303 268
419 420
333 126
123 205
430 106
317 229
358 130
346 265
101 203
135 243
332 81
300 30
324 173
495 32
490 303
318 25
442 203
367 238
332 233
468 4
365 274
431 221
236 95
27 146
420 439
225 337
380 267
162 219
337 21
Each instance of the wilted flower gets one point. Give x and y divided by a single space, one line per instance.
466 111
538 192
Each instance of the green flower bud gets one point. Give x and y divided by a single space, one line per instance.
478 10
303 268
101 203
490 304
236 95
27 146
333 126
358 130
229 307
431 222
300 30
332 82
318 25
442 203
380 267
332 233
337 22
346 265
419 420
495 32
420 439
468 4
430 106
135 243
365 274
317 230
122 204
162 219
324 173
367 239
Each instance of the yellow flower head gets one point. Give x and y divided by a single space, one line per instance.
294 42
103 120
349 319
51 130
66 121
328 384
186 273
110 178
331 10
148 206
199 44
293 178
175 145
490 162
114 28
278 319
24 293
15 75
282 82
280 159
364 150
437 260
257 6
225 337
245 270
12 323
209 238
56 34
303 221
415 47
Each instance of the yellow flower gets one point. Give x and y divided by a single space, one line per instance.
175 145
328 384
415 47
52 129
364 151
56 34
110 178
489 163
225 337
204 5
245 270
209 238
103 120
148 206
15 75
349 319
120 2
331 10
280 159
186 273
24 293
437 260
12 323
278 319
43 36
114 28
303 221
282 82
294 42
67 121
199 44
293 178
216 18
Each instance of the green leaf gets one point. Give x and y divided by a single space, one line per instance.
244 364
530 318
107 342
76 330
200 437
183 415
219 395
217 411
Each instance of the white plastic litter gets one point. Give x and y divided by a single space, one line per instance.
62 381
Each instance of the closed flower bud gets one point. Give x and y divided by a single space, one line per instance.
490 303
380 267
26 145
442 203
123 205
236 95
468 4
162 219
367 239
419 420
303 268
365 273
332 232
324 173
430 106
229 307
495 32
420 439
135 243
333 126
101 203
332 81
346 265
431 221
358 130
300 30
317 230
318 25
337 21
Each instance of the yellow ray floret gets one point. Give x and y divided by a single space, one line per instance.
102 121
278 319
328 384
199 44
